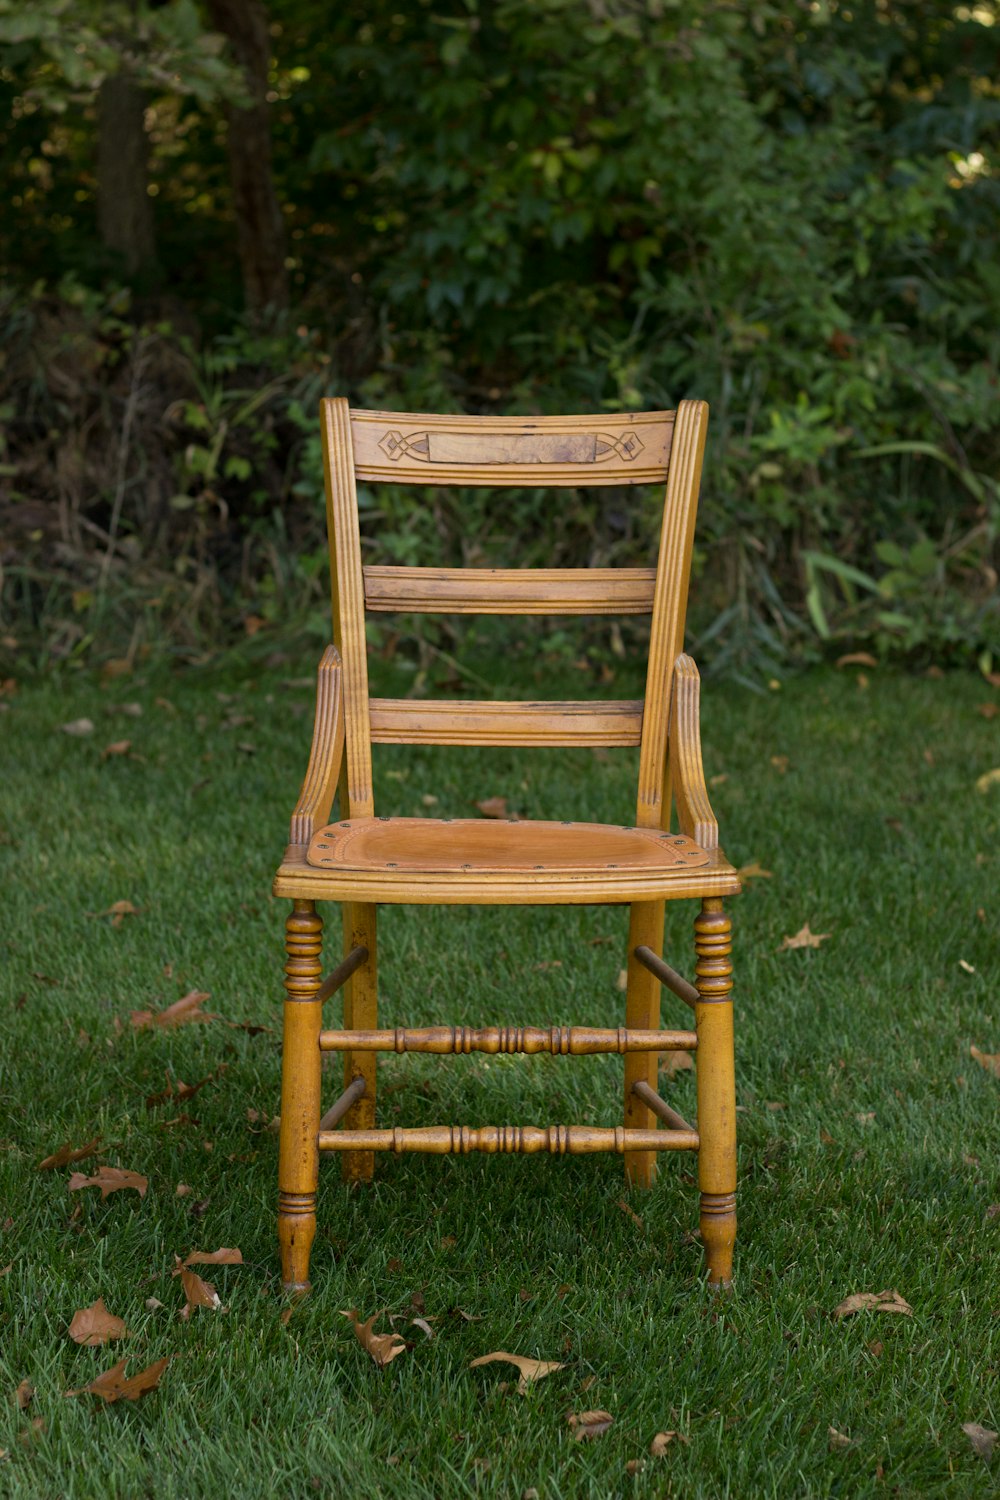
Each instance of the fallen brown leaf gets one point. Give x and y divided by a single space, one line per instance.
857 659
589 1424
423 1325
837 1439
178 1091
95 1325
981 1438
627 1208
110 1180
118 911
675 1061
67 1153
966 967
635 1466
117 747
113 1386
754 871
197 1293
467 1317
988 710
23 1395
993 1212
662 1441
621 983
988 1060
493 807
223 1257
529 1369
780 763
887 1301
78 727
988 779
383 1347
185 1010
804 938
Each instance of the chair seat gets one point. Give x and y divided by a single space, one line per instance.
504 861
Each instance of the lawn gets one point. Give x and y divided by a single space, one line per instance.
868 1145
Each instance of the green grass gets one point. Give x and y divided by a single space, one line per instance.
867 1150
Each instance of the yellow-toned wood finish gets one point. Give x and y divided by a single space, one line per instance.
323 772
716 1080
670 607
520 1140
361 860
642 1010
401 448
426 721
360 1014
348 600
558 1041
511 591
298 1163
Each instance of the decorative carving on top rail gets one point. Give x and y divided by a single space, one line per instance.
437 447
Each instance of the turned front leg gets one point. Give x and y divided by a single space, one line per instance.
298 1153
716 1089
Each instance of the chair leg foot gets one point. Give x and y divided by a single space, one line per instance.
718 1236
296 1232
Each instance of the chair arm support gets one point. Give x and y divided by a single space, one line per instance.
687 775
316 797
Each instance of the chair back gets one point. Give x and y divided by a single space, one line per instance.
405 448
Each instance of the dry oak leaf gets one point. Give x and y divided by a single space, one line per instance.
837 1439
988 779
675 1061
662 1441
981 1438
117 747
118 911
186 1009
988 710
804 938
754 871
67 1153
857 659
221 1257
197 1293
113 1386
23 1395
78 727
110 1180
95 1325
493 807
530 1369
988 1060
589 1424
887 1301
383 1347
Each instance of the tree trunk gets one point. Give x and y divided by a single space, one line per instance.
259 225
124 210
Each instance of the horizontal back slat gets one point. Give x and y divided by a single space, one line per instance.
425 721
511 591
608 449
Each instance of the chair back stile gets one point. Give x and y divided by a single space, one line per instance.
505 451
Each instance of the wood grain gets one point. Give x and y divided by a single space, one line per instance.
429 721
559 1140
438 448
670 607
558 1041
348 602
325 756
511 591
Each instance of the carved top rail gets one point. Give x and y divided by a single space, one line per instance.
604 449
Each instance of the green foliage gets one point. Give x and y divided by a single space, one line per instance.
789 211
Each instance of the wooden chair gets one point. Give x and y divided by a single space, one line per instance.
362 860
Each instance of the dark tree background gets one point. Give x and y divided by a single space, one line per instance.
217 212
